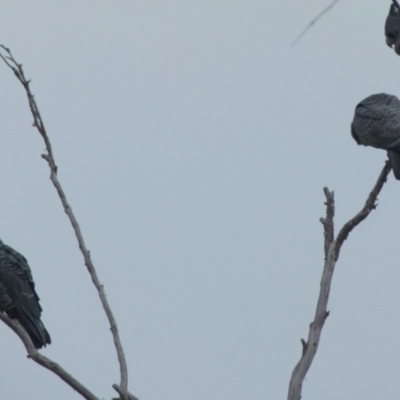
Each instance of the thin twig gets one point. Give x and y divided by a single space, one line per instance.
370 205
44 361
38 123
93 274
314 21
332 249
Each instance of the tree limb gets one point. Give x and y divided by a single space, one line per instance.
329 231
332 248
49 157
369 205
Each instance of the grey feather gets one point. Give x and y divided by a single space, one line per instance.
376 123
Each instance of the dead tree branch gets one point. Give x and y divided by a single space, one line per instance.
122 388
369 205
332 249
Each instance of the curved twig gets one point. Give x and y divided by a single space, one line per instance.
369 205
49 157
332 249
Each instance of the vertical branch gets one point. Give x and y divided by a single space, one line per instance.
329 230
332 249
311 346
122 388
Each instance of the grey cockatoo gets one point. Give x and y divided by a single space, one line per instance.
376 123
392 29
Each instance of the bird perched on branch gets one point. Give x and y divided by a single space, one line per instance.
392 28
376 123
18 298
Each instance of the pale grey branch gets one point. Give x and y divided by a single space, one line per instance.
332 248
329 231
38 123
369 205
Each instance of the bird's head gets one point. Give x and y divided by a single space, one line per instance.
392 29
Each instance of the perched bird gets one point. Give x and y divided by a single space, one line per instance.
392 28
18 297
376 123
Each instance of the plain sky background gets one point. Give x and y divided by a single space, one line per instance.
194 144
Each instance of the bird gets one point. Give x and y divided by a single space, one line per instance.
392 28
18 298
376 123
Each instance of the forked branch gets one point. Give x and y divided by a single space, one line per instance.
332 249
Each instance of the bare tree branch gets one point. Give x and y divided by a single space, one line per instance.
124 395
38 123
34 354
332 248
329 230
314 21
370 205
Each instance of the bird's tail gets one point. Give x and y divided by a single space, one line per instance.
35 328
394 157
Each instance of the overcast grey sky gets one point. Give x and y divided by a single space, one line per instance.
194 144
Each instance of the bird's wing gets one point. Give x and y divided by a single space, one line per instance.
394 157
16 277
354 134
